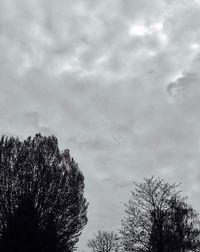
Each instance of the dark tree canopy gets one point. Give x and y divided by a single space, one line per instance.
158 219
42 203
176 230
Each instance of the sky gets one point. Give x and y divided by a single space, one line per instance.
117 81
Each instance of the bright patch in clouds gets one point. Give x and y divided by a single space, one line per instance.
155 29
179 75
139 30
195 46
142 30
163 38
197 1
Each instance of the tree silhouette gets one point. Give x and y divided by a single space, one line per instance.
42 204
180 228
159 220
104 242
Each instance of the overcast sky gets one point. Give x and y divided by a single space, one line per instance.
117 81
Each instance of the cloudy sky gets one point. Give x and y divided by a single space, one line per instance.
117 81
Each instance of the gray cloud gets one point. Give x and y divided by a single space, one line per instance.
186 84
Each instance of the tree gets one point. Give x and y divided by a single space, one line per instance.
180 229
104 242
42 203
159 220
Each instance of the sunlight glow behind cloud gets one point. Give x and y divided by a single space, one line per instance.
195 47
139 30
142 30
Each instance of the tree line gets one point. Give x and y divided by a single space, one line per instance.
43 207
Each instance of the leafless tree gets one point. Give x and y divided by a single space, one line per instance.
158 219
104 242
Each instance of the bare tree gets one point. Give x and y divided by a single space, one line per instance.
104 242
158 219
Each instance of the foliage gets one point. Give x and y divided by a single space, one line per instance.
41 196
